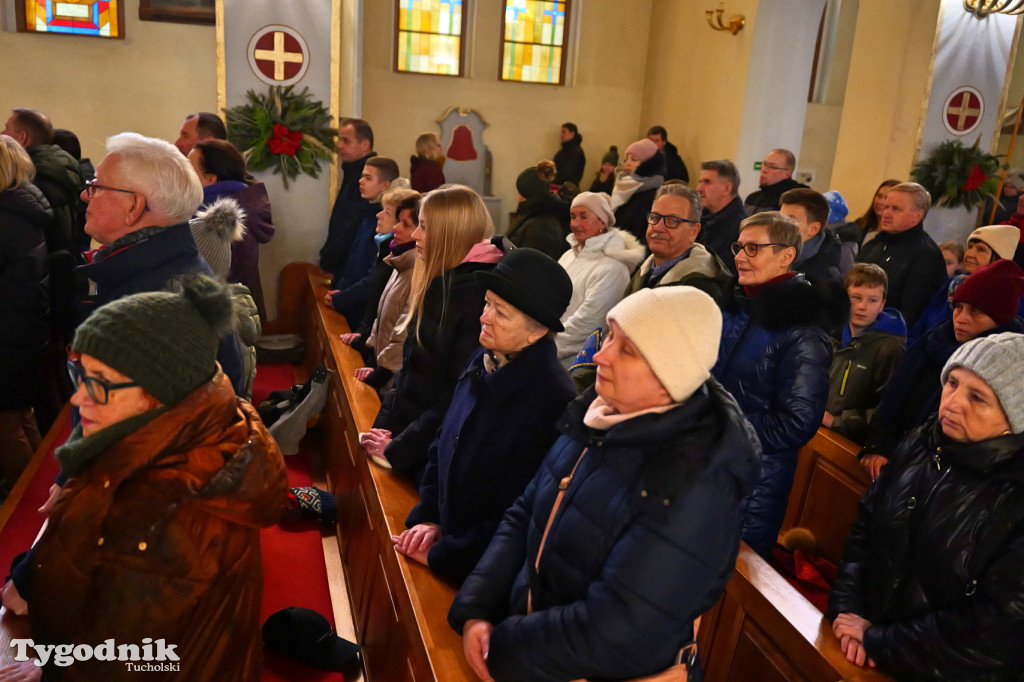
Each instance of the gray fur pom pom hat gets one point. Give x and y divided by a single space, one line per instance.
214 228
165 341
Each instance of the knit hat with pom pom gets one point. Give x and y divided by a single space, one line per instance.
166 342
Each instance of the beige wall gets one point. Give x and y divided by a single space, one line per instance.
696 80
98 87
524 119
886 93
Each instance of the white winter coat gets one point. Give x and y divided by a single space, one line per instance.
600 272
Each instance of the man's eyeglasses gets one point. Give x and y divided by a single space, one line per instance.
671 221
772 166
91 187
98 390
751 248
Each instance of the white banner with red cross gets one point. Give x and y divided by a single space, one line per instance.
970 68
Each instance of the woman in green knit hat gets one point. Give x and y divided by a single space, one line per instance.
170 478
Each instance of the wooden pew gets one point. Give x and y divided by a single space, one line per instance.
399 606
761 629
828 483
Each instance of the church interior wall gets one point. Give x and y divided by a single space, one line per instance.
603 96
145 83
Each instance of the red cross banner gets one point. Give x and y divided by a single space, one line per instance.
965 97
266 43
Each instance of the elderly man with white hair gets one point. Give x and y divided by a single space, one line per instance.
139 206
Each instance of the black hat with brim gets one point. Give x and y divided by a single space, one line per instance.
306 636
534 283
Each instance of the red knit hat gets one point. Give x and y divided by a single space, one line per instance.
994 289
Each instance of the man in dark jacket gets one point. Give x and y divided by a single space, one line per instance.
774 358
985 304
911 259
570 159
820 249
719 187
776 178
139 206
355 146
866 351
674 165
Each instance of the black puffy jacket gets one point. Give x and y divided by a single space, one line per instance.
774 358
644 541
24 216
934 560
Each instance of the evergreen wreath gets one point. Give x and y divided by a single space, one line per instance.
282 130
957 175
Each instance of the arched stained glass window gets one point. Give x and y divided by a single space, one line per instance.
534 41
102 18
429 36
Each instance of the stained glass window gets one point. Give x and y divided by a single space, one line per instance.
103 18
534 41
428 37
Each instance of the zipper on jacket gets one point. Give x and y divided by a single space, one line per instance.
846 375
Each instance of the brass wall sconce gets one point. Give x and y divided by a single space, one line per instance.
733 26
983 8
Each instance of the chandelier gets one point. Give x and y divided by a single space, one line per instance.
983 8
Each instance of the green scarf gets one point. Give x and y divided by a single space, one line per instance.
80 450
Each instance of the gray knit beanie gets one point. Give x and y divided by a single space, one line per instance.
214 228
996 359
164 341
677 330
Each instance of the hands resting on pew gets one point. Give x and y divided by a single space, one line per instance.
416 542
849 629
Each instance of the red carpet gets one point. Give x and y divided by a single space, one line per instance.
293 558
293 561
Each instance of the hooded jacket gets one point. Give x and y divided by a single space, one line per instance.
861 367
774 358
914 388
819 259
158 536
675 167
934 560
385 339
24 290
570 161
599 271
644 541
541 223
700 269
433 359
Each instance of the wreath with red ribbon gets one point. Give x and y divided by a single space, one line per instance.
284 130
957 175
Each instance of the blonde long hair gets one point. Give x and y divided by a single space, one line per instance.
456 219
16 168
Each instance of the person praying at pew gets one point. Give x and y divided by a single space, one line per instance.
443 326
774 358
170 477
931 586
985 304
630 529
501 421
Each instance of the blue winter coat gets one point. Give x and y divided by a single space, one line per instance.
151 264
774 358
497 430
644 542
352 278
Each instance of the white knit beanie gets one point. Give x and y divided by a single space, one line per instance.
677 329
1002 239
996 359
597 203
